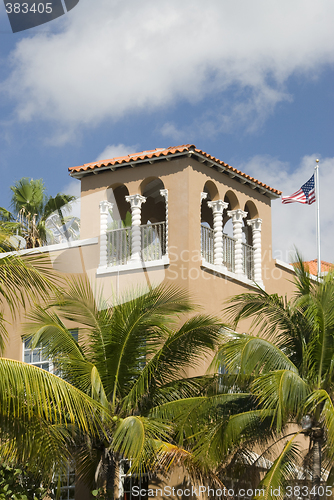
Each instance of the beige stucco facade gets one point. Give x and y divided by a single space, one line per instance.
184 209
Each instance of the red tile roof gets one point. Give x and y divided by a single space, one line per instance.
312 266
164 153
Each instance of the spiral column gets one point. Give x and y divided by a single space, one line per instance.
237 216
136 201
218 207
105 207
255 224
164 193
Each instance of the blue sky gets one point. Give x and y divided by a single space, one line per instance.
248 82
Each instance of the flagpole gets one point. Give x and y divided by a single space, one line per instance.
317 199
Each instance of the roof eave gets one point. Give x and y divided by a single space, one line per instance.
221 167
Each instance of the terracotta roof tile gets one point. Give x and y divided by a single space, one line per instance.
312 266
165 152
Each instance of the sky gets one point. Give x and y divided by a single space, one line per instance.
249 82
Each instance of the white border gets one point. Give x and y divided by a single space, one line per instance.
53 248
236 277
131 266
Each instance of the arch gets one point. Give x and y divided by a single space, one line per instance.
252 213
233 204
212 190
251 209
116 194
154 209
232 200
147 183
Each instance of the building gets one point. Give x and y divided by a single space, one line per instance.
195 221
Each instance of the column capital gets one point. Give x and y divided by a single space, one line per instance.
135 200
255 224
164 193
217 206
204 196
105 206
237 215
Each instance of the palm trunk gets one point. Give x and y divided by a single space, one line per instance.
316 472
111 469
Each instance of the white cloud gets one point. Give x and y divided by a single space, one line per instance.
295 224
112 58
113 151
73 187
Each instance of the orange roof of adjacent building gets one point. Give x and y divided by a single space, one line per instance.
166 154
312 266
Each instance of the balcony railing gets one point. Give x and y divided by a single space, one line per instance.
153 241
228 252
119 243
207 244
153 244
207 248
228 244
248 261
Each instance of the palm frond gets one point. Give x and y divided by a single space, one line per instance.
180 350
320 404
28 392
282 391
135 439
249 355
282 469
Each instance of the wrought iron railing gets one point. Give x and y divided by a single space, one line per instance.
228 252
153 243
207 246
248 260
119 246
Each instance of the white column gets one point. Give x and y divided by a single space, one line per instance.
164 193
136 201
237 216
255 224
105 207
218 207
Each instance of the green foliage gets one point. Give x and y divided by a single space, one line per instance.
31 209
133 363
16 483
39 412
289 367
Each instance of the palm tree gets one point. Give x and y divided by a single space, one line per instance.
133 360
289 366
39 412
32 209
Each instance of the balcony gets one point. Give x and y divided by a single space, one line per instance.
248 260
153 245
207 248
228 251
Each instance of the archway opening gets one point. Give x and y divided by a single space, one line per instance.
154 209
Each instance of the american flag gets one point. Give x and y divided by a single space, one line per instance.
306 194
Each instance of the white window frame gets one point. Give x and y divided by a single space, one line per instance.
122 476
36 357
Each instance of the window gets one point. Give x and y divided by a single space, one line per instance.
35 356
67 485
127 481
